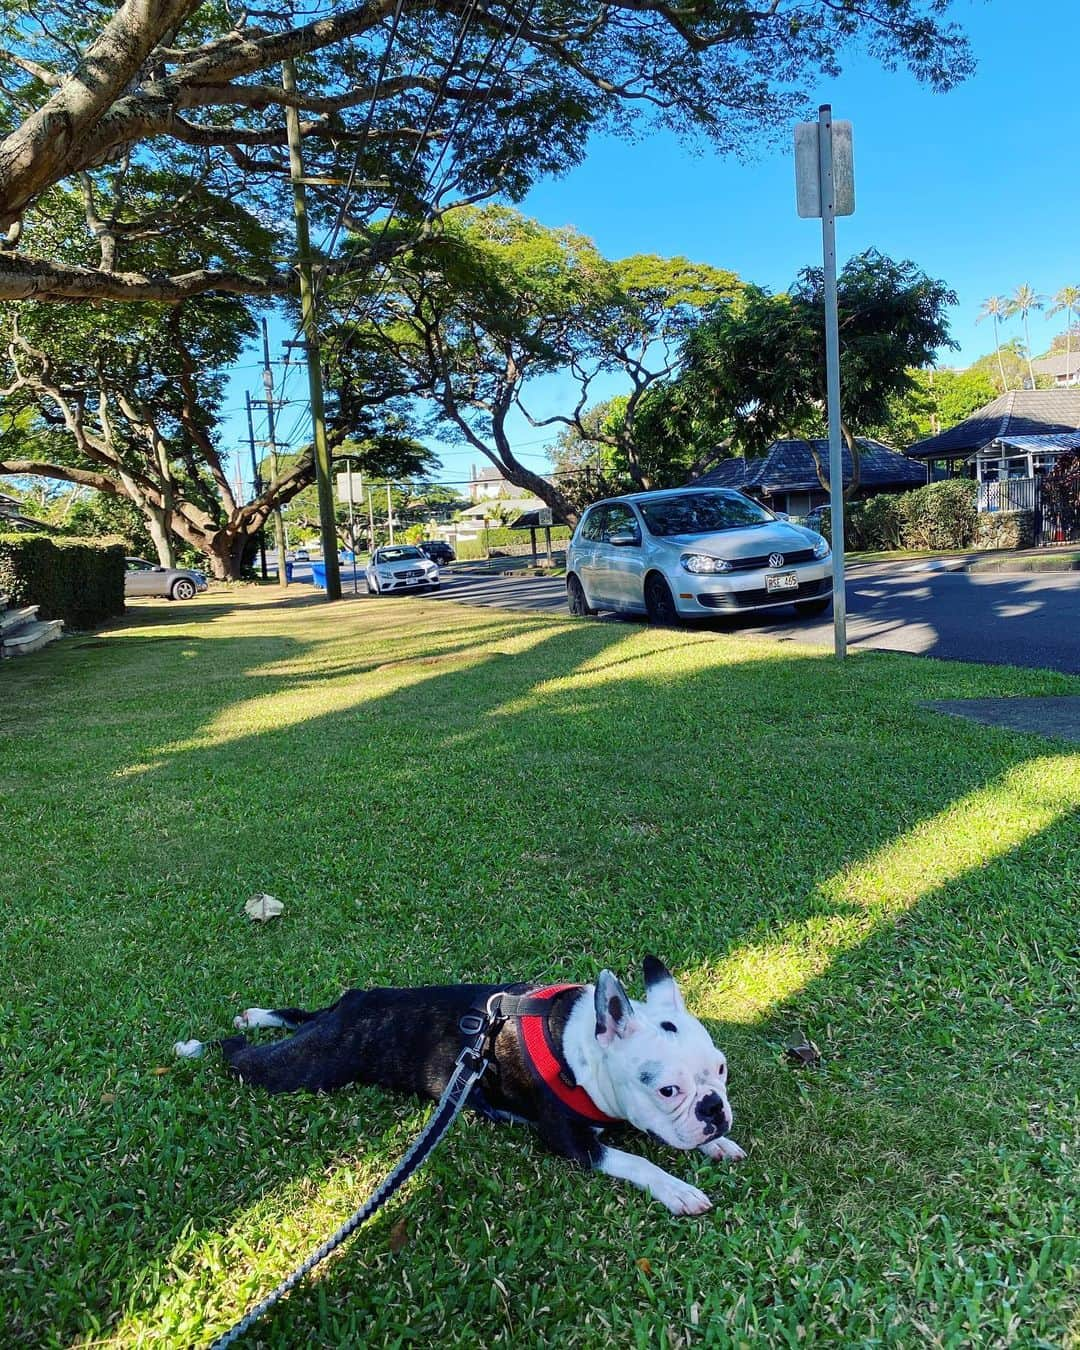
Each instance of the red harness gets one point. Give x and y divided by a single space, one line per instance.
548 1064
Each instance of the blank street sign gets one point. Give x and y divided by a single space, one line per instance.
807 169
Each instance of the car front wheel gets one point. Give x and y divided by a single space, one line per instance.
658 601
576 600
182 589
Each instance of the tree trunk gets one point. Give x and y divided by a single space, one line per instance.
225 552
160 534
1001 364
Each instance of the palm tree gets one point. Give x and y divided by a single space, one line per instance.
996 307
1022 303
1067 299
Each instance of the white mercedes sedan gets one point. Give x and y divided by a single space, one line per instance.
400 567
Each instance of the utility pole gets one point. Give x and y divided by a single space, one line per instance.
371 520
256 481
279 524
389 513
311 333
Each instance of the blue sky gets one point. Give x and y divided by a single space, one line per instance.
980 187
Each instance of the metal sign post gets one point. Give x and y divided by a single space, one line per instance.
825 187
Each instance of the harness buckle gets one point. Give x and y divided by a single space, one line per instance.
472 1023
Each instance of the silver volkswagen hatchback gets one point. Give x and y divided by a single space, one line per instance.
693 552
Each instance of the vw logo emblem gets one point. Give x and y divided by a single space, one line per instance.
776 560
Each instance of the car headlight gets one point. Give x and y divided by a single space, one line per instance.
702 562
821 548
385 574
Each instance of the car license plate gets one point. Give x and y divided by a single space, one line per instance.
782 581
411 581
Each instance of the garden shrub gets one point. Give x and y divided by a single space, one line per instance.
78 580
940 515
873 525
516 541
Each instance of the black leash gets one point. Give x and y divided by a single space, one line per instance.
470 1065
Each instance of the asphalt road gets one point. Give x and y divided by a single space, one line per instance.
995 618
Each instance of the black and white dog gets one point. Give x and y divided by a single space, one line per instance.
572 1059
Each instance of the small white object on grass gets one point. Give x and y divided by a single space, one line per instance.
263 907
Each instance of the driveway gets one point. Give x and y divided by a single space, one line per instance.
995 618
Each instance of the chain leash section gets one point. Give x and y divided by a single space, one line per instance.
470 1065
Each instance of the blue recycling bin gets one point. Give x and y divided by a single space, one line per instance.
288 571
318 574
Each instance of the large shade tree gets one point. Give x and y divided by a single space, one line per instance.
471 321
754 369
415 104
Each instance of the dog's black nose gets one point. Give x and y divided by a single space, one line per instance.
711 1110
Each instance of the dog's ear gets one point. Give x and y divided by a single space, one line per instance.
661 991
614 1012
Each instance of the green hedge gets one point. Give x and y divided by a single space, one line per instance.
78 580
940 515
467 549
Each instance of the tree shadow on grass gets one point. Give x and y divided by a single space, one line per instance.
583 816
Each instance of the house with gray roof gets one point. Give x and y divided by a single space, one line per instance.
1008 447
1063 368
786 477
1020 412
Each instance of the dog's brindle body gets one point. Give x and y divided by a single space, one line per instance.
408 1040
651 1064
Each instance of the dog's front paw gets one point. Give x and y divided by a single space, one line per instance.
680 1197
716 1149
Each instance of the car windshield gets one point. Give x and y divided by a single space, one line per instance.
701 513
398 554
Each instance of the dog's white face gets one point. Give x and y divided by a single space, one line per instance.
667 1077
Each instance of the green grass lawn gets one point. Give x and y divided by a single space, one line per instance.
440 793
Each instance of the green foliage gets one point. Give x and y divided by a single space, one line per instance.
936 401
493 302
874 524
79 581
101 514
1010 359
501 538
754 368
938 516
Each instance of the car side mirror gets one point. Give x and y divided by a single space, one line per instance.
623 540
781 515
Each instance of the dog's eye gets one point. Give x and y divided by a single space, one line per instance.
668 1026
670 1091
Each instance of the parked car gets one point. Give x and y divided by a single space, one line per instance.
693 552
400 567
438 550
175 583
302 555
